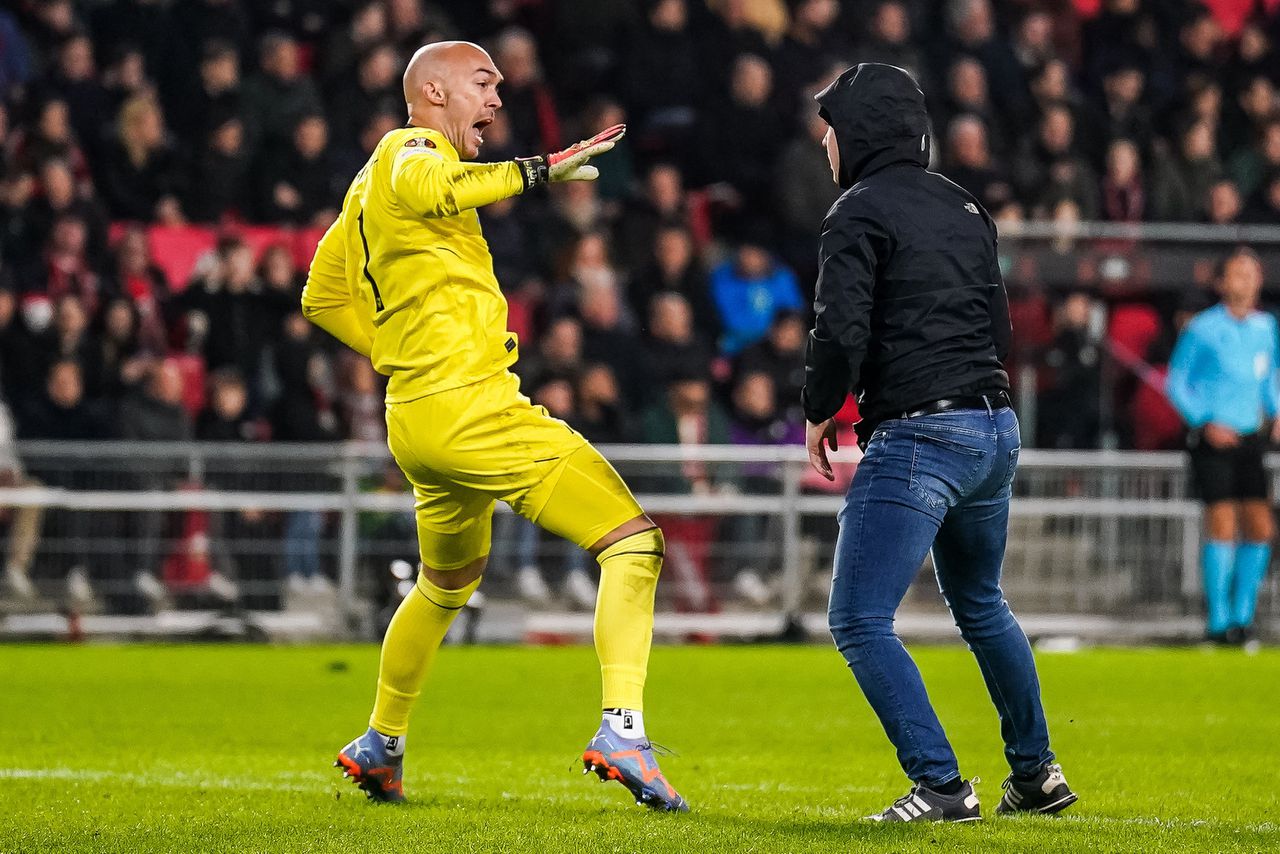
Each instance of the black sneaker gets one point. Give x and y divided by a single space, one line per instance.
1046 793
924 804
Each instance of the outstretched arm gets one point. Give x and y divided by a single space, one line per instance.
435 187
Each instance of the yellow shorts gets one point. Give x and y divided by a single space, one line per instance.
464 448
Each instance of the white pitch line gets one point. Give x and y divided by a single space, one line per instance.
305 782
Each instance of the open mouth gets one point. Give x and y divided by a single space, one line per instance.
478 128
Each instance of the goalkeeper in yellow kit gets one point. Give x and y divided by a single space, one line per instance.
404 276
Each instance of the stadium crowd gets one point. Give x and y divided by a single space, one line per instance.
678 285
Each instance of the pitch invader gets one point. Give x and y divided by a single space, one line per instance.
404 276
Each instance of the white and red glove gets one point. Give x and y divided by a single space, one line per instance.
570 164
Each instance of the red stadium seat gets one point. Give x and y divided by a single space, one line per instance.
176 248
1134 327
1156 424
193 373
304 246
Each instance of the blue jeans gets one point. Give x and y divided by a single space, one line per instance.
942 482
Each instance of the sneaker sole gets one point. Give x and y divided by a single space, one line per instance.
1048 809
594 762
376 783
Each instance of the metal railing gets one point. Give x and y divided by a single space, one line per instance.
1091 533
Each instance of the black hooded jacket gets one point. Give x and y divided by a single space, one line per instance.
911 307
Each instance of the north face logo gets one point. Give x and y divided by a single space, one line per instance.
971 207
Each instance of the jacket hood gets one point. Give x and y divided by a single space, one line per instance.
879 117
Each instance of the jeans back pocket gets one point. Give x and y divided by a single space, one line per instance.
944 470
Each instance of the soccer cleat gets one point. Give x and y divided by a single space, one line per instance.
1046 793
631 762
924 804
366 762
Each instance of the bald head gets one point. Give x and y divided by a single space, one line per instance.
452 87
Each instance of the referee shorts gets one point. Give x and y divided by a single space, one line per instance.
1229 474
464 448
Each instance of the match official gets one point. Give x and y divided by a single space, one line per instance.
1223 381
913 317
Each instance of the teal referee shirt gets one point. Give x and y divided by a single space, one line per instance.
1224 370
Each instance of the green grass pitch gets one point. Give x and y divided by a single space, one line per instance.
207 748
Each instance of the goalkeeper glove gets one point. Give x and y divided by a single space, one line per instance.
570 164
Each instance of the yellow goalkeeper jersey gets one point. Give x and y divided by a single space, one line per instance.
404 274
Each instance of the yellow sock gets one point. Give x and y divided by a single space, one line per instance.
624 616
409 648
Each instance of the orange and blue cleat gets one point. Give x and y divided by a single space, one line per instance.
367 763
631 762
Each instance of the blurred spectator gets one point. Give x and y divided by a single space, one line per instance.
15 59
1123 195
559 352
515 260
606 339
749 289
141 174
1254 105
64 267
154 412
1069 404
528 101
139 280
889 40
217 97
1265 207
219 186
305 412
744 136
66 339
61 197
63 413
663 83
1223 203
23 523
805 192
971 28
50 137
360 401
226 418
119 361
374 88
967 94
1181 182
688 416
1249 166
343 46
971 165
676 268
1048 168
74 81
124 77
1126 115
780 355
755 420
812 43
601 415
662 203
672 345
301 186
226 301
279 95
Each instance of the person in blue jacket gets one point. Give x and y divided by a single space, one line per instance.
749 289
1223 381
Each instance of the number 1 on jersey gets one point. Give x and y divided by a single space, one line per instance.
377 297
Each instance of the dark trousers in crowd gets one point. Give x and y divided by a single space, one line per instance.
940 481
